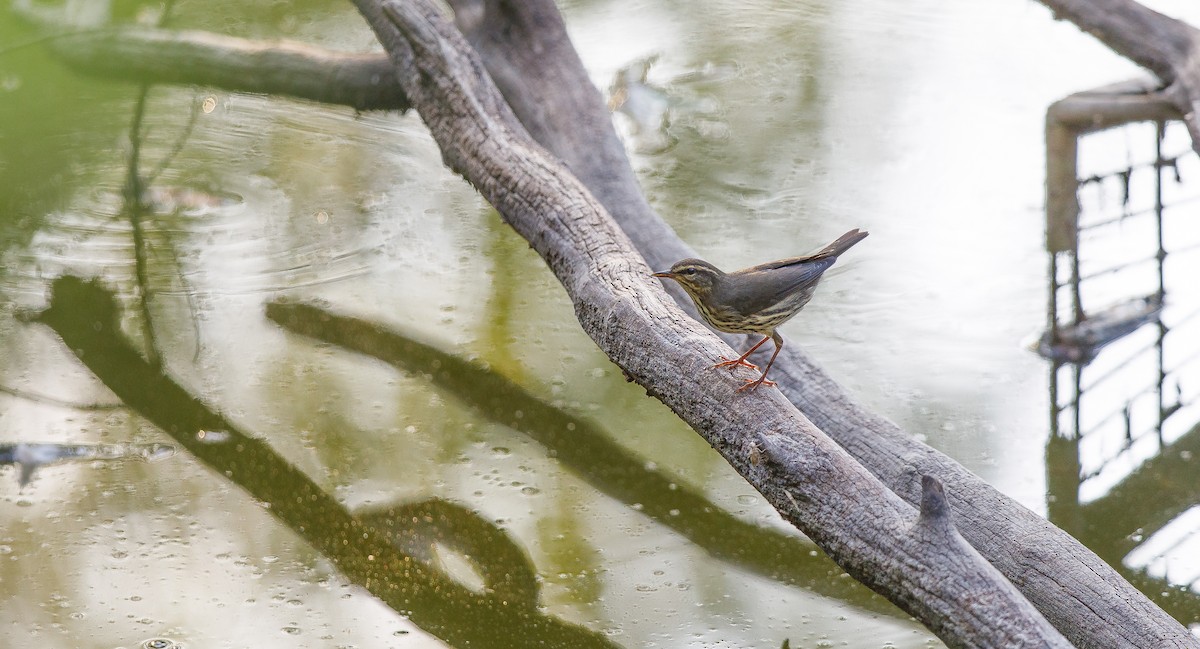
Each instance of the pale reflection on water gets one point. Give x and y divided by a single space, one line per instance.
786 126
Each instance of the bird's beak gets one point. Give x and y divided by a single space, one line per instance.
664 273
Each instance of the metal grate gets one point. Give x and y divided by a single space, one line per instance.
1123 328
1124 245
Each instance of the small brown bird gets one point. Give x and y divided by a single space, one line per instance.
757 299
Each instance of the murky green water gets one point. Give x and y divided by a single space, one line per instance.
362 333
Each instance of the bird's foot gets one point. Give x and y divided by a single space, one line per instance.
735 363
752 384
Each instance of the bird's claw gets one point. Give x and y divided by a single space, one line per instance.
735 363
752 384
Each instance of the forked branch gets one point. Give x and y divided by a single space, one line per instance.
812 481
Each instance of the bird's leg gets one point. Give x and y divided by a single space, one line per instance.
762 380
742 362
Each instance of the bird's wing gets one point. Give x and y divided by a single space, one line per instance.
780 279
831 251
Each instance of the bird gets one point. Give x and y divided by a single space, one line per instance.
759 299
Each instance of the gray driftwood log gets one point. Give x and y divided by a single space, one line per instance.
1167 47
918 562
527 53
532 62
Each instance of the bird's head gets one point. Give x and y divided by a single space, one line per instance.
696 276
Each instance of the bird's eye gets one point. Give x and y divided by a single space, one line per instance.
689 271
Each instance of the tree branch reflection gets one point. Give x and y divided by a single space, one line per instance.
585 449
368 551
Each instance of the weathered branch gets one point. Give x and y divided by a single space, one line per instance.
816 486
1132 30
526 51
1167 47
288 68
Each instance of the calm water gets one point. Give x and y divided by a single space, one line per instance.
788 124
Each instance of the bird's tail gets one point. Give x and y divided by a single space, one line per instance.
842 244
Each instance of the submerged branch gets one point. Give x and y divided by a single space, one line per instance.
286 68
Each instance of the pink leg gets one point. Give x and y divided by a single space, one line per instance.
762 380
742 361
